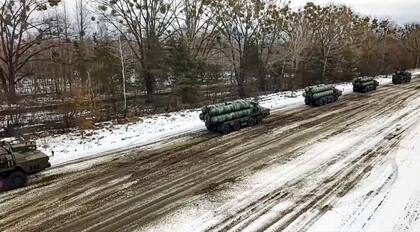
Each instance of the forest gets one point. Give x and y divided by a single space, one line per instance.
70 64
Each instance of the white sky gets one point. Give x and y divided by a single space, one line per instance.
400 11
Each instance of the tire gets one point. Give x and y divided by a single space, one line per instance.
259 119
251 121
226 129
355 89
330 99
364 89
16 179
237 126
307 102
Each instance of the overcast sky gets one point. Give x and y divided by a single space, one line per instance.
400 11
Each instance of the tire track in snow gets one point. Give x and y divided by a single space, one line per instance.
270 200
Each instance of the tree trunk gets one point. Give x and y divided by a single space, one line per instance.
149 82
241 87
11 93
324 69
262 80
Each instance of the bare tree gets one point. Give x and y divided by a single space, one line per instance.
147 25
332 27
196 25
411 37
23 32
244 25
299 38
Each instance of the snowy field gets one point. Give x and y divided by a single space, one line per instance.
387 200
114 138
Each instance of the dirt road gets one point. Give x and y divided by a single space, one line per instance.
150 188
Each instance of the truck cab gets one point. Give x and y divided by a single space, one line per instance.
257 109
18 161
401 77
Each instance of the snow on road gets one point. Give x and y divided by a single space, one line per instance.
303 168
114 138
387 200
392 187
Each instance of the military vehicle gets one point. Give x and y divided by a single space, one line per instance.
364 84
18 161
232 116
321 95
401 77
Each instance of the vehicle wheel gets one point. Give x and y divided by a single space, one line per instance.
330 100
355 89
226 129
307 102
16 179
251 122
259 119
364 89
237 126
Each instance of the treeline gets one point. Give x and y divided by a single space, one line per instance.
175 53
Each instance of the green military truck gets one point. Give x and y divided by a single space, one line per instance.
321 95
401 77
364 84
232 116
17 162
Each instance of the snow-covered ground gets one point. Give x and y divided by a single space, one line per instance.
113 138
352 168
387 200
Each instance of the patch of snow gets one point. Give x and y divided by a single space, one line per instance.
9 140
396 207
113 138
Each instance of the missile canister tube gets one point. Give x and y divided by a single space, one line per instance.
322 94
221 116
229 107
319 88
230 116
368 83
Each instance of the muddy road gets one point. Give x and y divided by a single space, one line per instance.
148 189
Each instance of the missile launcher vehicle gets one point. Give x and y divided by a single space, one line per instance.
401 77
364 84
321 95
232 116
17 162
